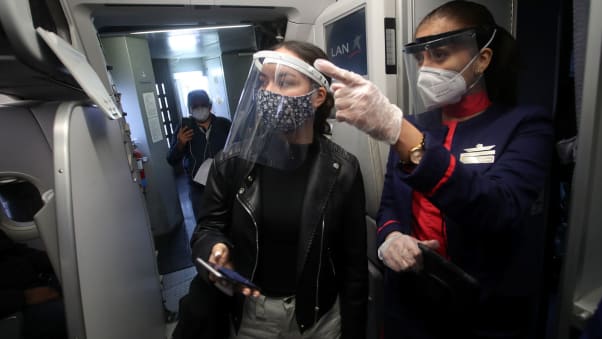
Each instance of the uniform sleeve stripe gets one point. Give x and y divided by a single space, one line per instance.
387 223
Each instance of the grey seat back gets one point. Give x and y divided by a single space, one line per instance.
26 149
106 250
372 156
93 223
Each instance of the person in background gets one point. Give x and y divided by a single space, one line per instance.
197 140
284 206
463 177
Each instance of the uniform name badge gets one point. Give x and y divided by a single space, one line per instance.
478 155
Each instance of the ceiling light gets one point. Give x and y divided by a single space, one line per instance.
182 42
187 30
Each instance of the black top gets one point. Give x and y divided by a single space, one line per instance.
282 194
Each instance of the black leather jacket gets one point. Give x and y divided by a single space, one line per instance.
332 240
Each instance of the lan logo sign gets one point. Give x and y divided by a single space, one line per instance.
346 42
347 49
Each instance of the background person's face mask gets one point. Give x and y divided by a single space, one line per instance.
284 113
200 113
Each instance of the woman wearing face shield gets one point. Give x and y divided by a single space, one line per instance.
284 207
463 177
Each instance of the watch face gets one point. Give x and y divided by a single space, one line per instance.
416 156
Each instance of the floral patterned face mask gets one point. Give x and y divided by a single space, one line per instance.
284 113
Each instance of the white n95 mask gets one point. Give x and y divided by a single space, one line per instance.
438 87
200 113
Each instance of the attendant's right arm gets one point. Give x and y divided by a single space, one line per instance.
391 212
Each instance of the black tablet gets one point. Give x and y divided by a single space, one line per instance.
448 274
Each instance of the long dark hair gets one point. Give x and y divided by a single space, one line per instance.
309 53
501 75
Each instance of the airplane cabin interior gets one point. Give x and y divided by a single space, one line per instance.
92 92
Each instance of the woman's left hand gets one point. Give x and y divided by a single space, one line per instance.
220 256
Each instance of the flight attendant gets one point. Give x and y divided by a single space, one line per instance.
463 177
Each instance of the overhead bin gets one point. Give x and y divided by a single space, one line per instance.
29 68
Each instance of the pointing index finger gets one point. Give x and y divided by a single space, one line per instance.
342 75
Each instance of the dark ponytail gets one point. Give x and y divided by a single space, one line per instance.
502 74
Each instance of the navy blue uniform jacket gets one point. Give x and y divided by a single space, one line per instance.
486 187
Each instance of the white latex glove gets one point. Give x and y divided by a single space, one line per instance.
400 252
360 103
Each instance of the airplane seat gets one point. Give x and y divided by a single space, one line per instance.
372 156
104 233
64 176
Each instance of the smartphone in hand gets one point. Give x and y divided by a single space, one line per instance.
227 275
188 122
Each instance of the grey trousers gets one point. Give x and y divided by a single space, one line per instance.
274 318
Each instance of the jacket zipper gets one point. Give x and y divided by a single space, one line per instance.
316 307
334 271
246 208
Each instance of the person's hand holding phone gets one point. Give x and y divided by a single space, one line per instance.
220 256
184 135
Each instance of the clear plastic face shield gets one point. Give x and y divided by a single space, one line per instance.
273 124
439 68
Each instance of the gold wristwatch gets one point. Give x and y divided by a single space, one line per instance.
414 155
